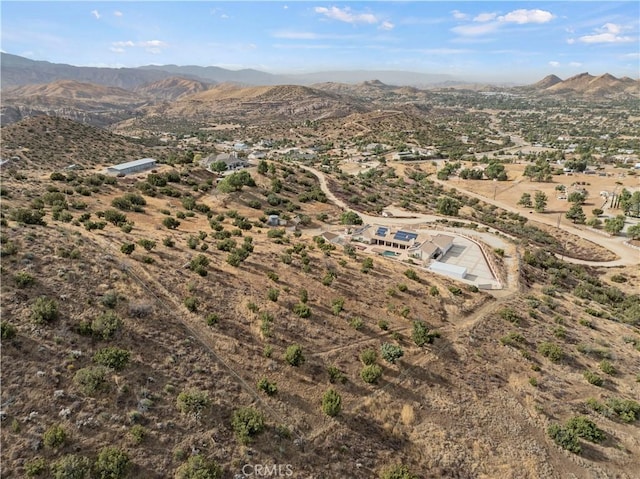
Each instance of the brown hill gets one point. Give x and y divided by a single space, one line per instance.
603 85
172 88
547 82
260 104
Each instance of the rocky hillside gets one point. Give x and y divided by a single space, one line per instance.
589 85
172 88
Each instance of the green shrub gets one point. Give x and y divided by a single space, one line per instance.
112 463
510 315
91 380
128 248
71 467
273 294
147 244
356 323
247 422
411 274
593 378
606 367
383 324
7 331
421 334
434 291
35 467
137 433
368 356
626 409
391 352
267 387
331 403
171 223
193 401
114 358
191 303
402 287
106 325
551 351
398 471
109 299
212 319
585 428
55 436
512 338
302 310
335 375
371 373
337 305
565 438
294 355
23 279
44 310
169 242
197 467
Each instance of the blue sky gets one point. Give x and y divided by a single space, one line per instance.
496 41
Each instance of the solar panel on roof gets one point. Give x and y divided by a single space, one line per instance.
381 231
405 236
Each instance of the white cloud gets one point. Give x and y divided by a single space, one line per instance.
571 41
123 44
96 14
608 33
471 30
575 64
152 43
286 7
554 64
445 51
522 16
458 15
117 49
386 26
345 15
485 17
224 16
117 13
297 35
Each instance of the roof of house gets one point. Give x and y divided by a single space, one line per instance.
448 268
442 241
428 248
133 164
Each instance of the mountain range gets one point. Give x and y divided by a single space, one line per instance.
106 96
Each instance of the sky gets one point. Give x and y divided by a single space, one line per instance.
506 41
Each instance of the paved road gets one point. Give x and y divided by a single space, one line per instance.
626 256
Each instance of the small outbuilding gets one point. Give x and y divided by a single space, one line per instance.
448 269
132 166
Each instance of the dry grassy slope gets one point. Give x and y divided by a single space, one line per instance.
462 407
51 143
70 93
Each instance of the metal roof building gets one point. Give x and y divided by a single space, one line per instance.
132 166
448 269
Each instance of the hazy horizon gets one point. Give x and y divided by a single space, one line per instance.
507 42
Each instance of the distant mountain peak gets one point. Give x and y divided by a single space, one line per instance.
547 81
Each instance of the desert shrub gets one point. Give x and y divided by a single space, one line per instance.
55 436
191 303
137 433
368 356
71 467
302 310
434 291
247 422
212 319
197 467
421 334
23 279
273 294
510 315
7 331
128 248
356 323
115 217
28 216
402 287
106 325
335 375
267 386
367 265
383 324
112 463
411 274
391 352
606 367
114 358
565 438
294 355
551 351
398 471
91 380
35 467
193 401
626 409
371 373
585 428
147 244
331 402
454 290
199 265
109 299
169 242
593 378
512 338
44 310
170 222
